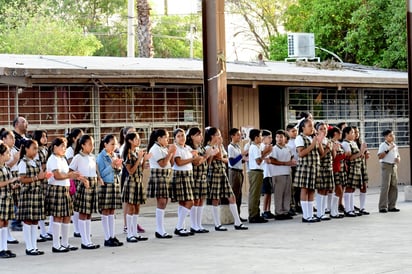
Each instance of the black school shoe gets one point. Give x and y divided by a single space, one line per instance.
112 242
181 232
394 209
241 227
257 220
34 252
163 236
90 246
61 249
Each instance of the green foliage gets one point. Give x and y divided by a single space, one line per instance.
171 36
278 47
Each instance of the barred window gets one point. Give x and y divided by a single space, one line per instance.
371 110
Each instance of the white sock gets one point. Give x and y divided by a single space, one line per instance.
56 234
88 230
129 225
34 233
346 200
329 203
135 218
50 230
216 215
9 236
362 200
42 226
3 238
310 209
304 206
235 213
182 213
82 230
65 234
319 205
27 236
193 218
352 205
334 206
160 216
75 220
199 215
105 224
111 225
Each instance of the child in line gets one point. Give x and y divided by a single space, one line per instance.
85 201
364 175
109 166
295 207
160 171
281 159
7 182
58 200
267 184
133 194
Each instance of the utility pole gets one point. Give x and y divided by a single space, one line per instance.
130 29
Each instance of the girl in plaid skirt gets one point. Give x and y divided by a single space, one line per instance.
109 167
339 170
353 160
217 179
85 201
41 138
58 200
160 170
7 182
307 170
194 140
133 194
31 199
364 174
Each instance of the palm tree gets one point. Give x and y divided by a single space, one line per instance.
144 29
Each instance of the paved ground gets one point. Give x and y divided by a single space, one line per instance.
378 243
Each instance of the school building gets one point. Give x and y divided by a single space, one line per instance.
103 94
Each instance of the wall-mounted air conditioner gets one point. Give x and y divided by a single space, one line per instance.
301 45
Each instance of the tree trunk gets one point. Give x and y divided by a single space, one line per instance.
144 29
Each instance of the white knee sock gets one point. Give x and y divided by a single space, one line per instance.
193 218
135 218
160 216
82 230
334 206
65 234
362 200
182 213
310 209
75 220
304 206
216 215
346 200
88 230
199 216
111 225
56 234
105 224
34 233
27 236
319 205
42 227
50 230
352 205
3 237
129 225
9 236
329 203
235 213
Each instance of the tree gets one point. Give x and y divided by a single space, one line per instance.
144 29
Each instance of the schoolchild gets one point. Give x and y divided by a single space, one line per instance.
236 160
339 170
59 203
86 197
295 207
267 184
133 194
182 180
41 137
160 164
72 138
7 183
281 159
309 149
199 188
325 181
255 174
364 175
109 199
389 159
31 200
219 185
353 161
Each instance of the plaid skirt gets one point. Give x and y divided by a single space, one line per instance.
181 186
109 196
325 179
133 191
199 188
340 178
218 184
158 186
6 203
59 203
31 202
364 172
354 175
16 191
306 176
85 199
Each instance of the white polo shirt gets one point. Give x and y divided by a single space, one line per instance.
60 164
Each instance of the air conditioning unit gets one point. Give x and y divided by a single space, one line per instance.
301 45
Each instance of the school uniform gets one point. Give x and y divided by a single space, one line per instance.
199 187
255 175
182 176
109 193
218 182
6 195
133 192
159 180
85 199
325 179
389 177
307 169
353 166
281 179
339 167
235 171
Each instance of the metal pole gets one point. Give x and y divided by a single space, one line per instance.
130 29
409 35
